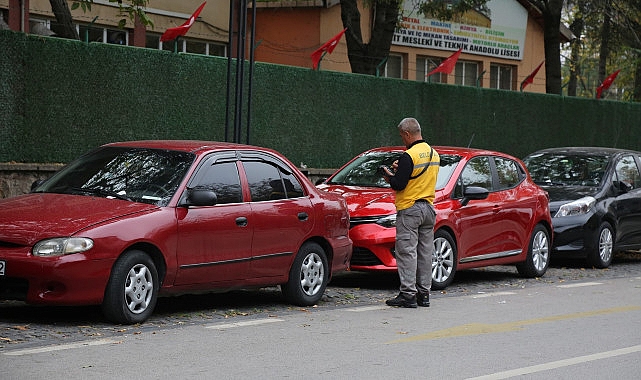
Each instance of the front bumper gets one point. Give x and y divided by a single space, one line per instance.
574 236
74 279
373 248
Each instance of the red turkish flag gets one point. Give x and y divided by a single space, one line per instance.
606 83
447 65
175 32
326 47
530 78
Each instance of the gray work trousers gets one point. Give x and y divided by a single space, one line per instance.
414 247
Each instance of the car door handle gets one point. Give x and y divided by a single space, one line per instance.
302 216
241 221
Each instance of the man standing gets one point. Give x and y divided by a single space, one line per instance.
413 177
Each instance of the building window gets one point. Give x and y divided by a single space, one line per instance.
501 77
466 73
90 33
394 67
426 64
152 41
95 33
187 45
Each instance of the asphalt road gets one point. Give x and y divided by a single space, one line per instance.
578 315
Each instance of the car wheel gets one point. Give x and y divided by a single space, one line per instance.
308 276
443 260
132 291
537 259
601 255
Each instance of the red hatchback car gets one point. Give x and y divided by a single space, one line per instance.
128 222
488 212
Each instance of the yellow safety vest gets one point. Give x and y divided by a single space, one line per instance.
422 182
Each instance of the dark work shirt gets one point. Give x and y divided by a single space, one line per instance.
404 171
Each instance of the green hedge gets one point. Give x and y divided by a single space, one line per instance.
60 98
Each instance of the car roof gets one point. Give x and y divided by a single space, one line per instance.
192 146
442 149
590 150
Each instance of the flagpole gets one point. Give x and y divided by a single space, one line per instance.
252 42
230 43
319 61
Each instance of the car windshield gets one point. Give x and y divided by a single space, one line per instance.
136 174
566 169
363 171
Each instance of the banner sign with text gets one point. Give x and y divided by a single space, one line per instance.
498 31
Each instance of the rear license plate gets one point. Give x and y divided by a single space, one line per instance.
3 265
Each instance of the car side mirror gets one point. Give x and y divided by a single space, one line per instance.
200 197
622 187
36 183
473 193
320 181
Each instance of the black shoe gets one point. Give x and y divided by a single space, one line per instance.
423 299
402 301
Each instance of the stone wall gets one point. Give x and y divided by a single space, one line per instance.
16 179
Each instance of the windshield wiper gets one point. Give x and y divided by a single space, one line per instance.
101 192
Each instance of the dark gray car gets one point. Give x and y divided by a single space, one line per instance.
595 199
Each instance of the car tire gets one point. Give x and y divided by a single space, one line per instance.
600 256
537 259
308 276
132 290
444 260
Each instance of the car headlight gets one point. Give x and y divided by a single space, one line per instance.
578 207
388 221
62 246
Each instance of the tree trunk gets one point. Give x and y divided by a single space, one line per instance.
636 92
365 58
604 49
62 12
552 41
575 56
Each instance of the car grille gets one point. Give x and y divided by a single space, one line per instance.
363 220
13 288
364 257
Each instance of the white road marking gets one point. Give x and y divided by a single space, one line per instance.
366 308
254 322
559 364
59 347
580 285
493 294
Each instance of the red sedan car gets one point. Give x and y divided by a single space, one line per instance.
130 221
488 212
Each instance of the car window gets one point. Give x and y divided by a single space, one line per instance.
449 162
222 178
628 172
508 171
477 172
269 182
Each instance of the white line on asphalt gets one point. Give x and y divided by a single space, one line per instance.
580 285
494 294
559 364
59 347
366 308
254 322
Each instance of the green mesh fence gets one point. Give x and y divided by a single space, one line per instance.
60 98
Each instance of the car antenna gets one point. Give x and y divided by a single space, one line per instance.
472 138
